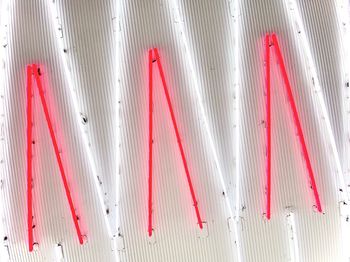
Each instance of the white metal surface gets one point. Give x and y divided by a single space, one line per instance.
106 44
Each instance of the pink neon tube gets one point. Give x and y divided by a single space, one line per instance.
33 69
150 144
268 124
29 157
296 120
195 203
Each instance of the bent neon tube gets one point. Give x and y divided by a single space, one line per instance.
288 88
33 70
178 138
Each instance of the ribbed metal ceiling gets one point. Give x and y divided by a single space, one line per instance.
215 46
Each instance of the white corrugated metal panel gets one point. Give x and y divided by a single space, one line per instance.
89 31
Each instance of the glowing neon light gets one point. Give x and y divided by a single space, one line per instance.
177 133
200 101
268 124
180 28
33 69
296 121
29 156
97 179
343 9
324 121
150 142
